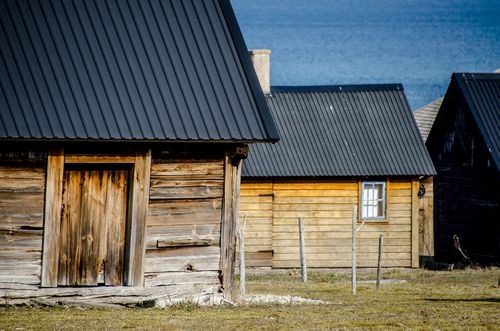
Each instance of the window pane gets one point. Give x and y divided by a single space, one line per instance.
380 208
379 191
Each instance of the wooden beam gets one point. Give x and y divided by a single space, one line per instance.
52 217
138 207
415 206
184 241
230 210
86 159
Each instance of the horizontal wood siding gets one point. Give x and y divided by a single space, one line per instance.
256 202
327 211
21 221
183 222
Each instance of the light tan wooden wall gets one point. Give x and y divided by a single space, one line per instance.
327 211
256 202
185 206
21 221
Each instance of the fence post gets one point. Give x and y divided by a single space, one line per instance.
303 263
379 263
241 234
354 250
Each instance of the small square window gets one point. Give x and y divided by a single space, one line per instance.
373 201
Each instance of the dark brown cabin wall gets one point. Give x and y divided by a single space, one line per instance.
468 205
467 200
184 221
22 182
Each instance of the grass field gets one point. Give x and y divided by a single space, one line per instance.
458 299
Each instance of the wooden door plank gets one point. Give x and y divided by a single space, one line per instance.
52 217
116 217
75 192
64 242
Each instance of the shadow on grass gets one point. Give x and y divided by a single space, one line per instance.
495 300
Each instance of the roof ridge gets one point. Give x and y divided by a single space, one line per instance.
336 88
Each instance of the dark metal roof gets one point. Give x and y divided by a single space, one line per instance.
127 70
482 94
341 131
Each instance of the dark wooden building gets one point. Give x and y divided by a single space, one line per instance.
122 129
464 143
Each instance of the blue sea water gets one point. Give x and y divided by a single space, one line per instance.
418 43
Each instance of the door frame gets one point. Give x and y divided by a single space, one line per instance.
137 206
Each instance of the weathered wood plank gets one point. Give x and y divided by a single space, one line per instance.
104 159
232 177
178 212
183 259
185 241
116 214
182 278
191 168
169 190
52 214
138 208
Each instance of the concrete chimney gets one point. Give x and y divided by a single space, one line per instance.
261 59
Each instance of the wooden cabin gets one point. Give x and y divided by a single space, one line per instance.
340 147
464 144
122 130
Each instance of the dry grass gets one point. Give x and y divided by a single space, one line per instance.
459 299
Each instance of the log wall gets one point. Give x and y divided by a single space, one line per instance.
273 209
22 182
184 222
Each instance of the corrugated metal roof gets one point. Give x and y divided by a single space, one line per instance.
131 69
341 131
426 116
482 94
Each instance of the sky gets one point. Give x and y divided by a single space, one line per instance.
418 43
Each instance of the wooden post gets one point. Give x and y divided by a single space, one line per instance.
303 263
241 233
379 262
138 209
354 250
230 210
52 217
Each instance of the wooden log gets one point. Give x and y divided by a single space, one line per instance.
184 242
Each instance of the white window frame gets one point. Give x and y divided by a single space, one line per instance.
371 202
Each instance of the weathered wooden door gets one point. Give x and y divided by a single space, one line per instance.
93 226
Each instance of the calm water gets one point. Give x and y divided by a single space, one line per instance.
418 43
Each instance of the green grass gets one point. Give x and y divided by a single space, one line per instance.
429 300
